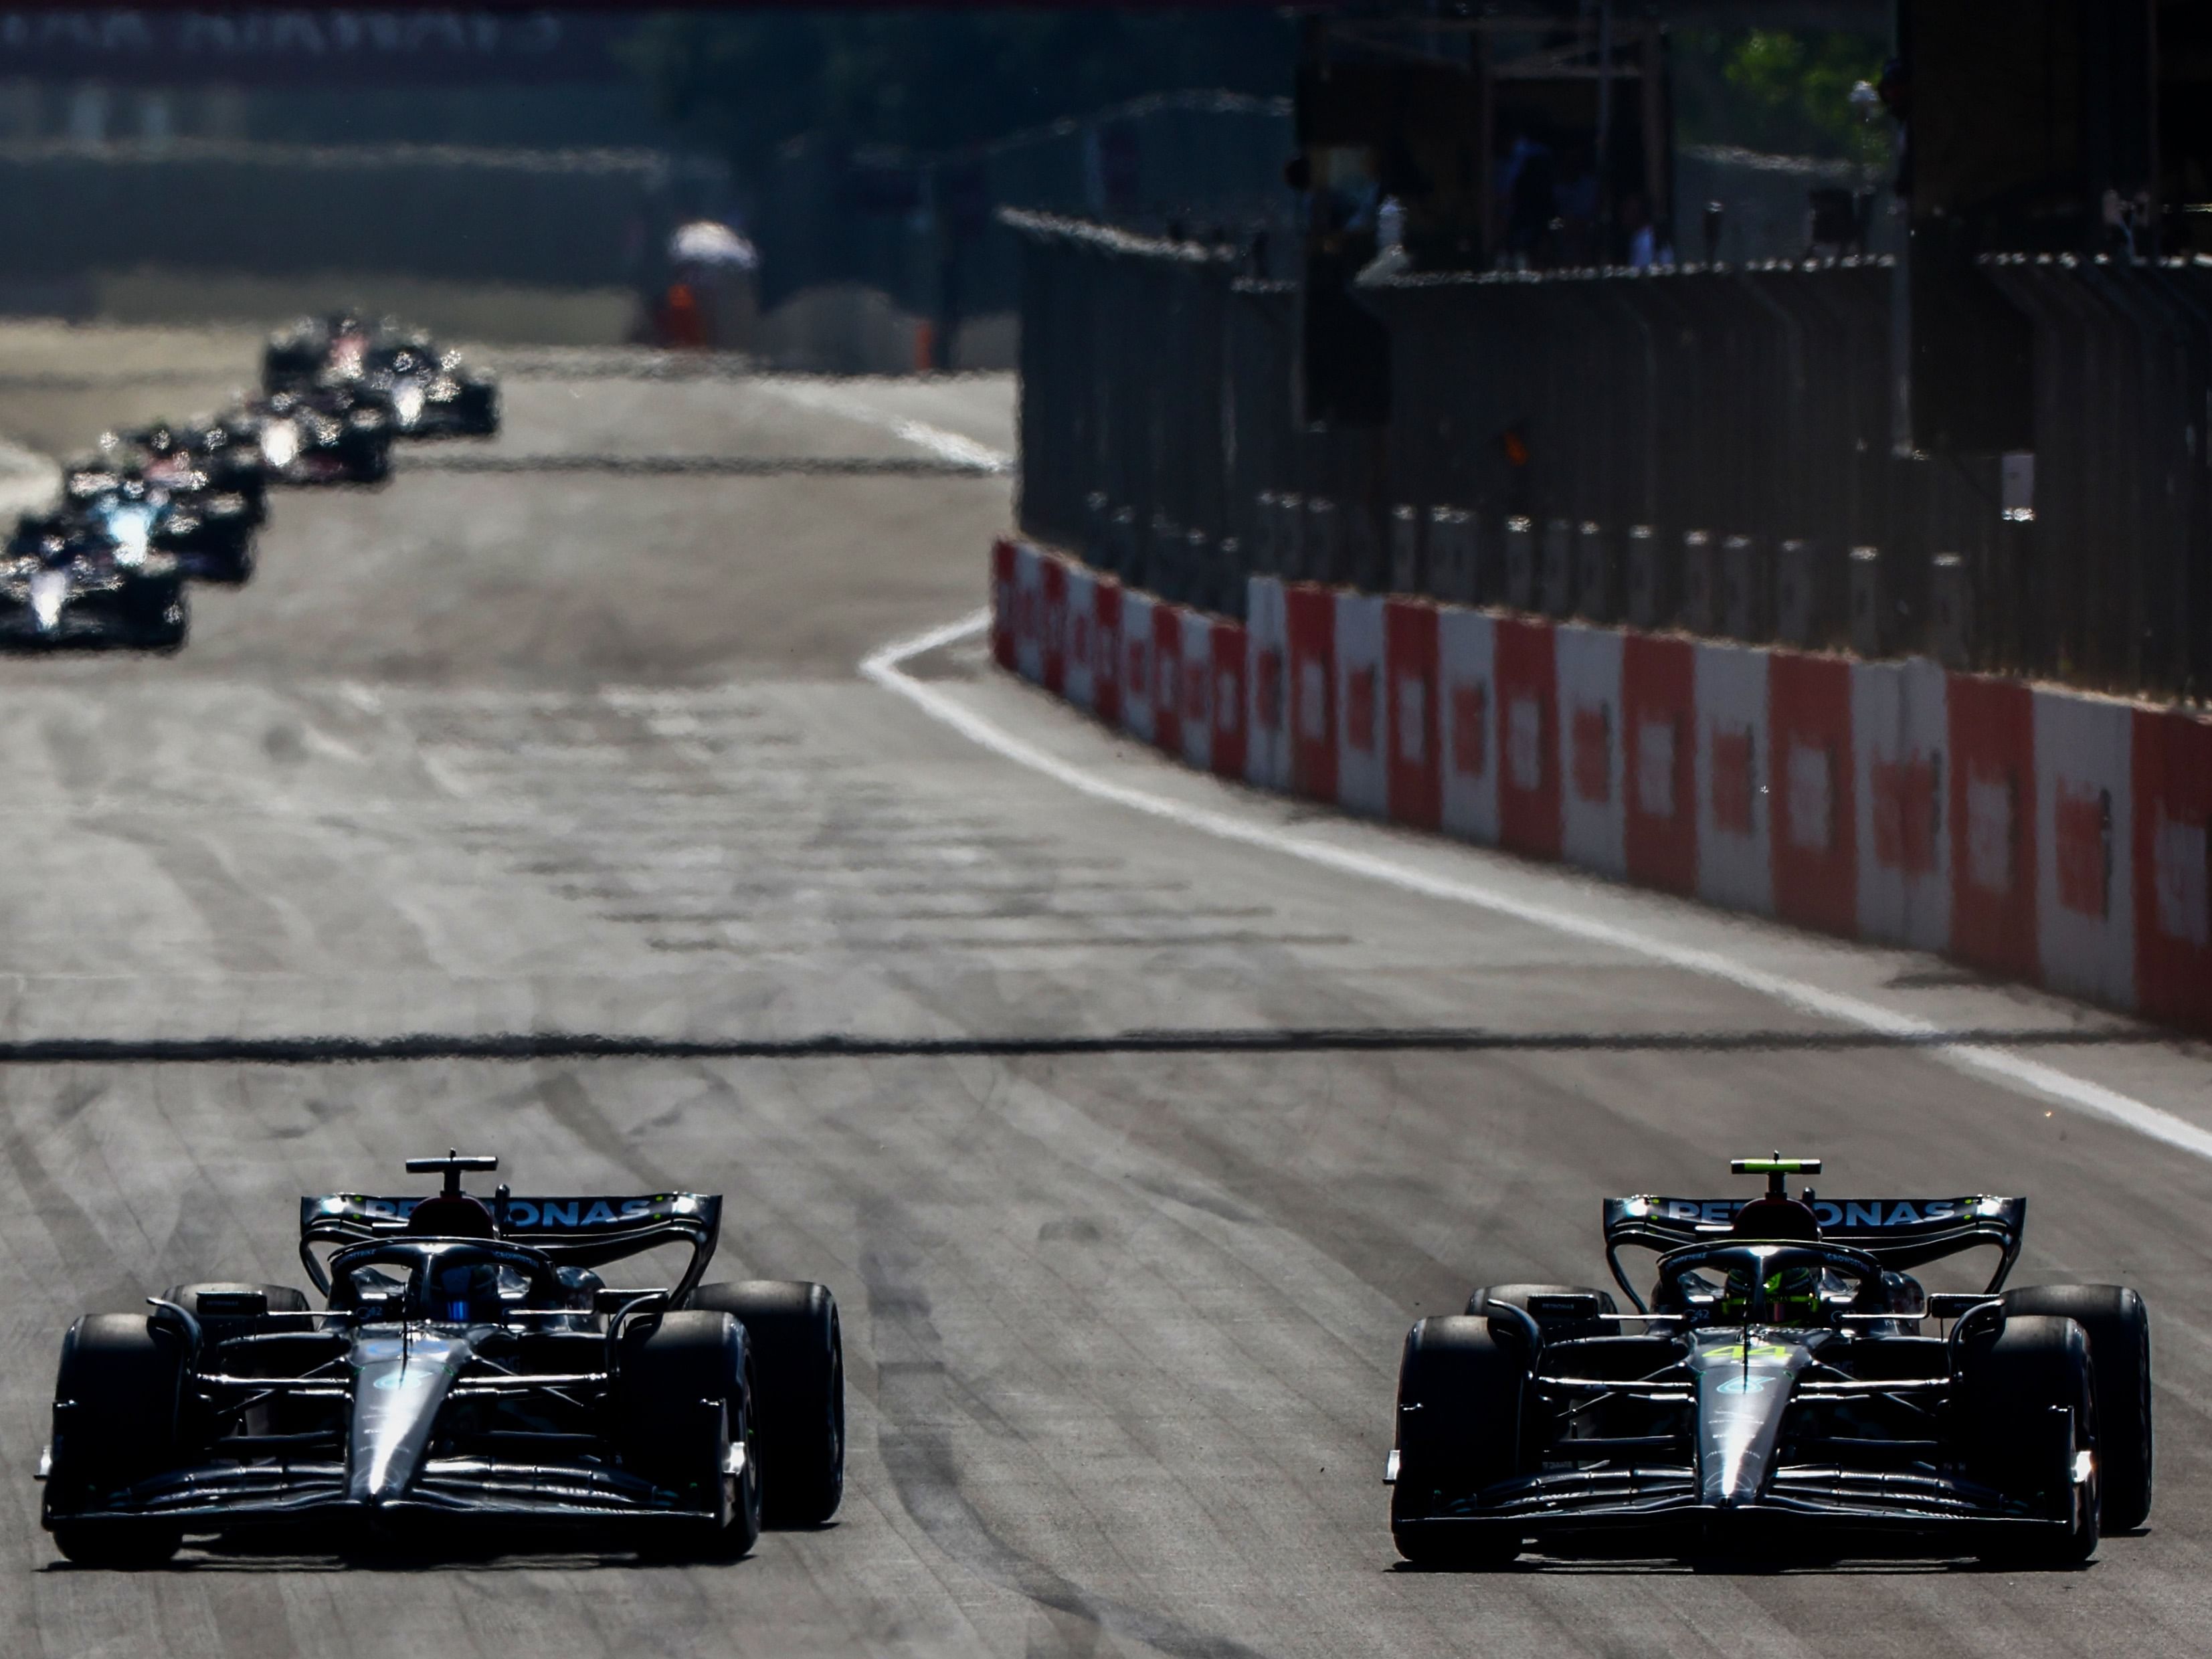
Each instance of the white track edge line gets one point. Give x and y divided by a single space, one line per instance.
885 667
945 445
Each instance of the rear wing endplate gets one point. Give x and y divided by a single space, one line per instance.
1901 1233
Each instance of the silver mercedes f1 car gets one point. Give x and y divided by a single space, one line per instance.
1783 1383
469 1365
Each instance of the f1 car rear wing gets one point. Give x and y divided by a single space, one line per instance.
1901 1233
585 1231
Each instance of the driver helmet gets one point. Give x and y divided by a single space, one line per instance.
465 1292
1793 1296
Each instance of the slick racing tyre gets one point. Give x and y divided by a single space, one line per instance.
2117 1325
2026 1408
365 457
477 411
288 364
798 1367
117 1400
158 619
1459 1431
683 1403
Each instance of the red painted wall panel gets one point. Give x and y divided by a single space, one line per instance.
1309 676
1815 834
2173 867
1228 649
1659 723
1409 655
1992 807
1527 738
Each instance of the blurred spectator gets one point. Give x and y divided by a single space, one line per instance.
1526 179
1574 208
1643 249
677 320
712 301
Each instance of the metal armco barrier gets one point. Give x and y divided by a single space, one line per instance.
1711 448
2052 836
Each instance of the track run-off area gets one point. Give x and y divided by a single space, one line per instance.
625 797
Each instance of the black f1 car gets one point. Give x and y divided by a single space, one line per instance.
429 390
1782 1380
469 1364
166 508
324 435
203 454
67 580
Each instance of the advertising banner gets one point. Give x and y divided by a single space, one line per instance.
1411 741
1659 761
1900 729
1815 825
1362 774
2085 841
1733 820
1992 809
1593 819
1467 694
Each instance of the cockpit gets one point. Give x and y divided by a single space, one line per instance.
454 1281
1799 1286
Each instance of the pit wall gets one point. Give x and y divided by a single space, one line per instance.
2037 834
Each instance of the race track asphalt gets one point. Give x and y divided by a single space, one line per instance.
564 734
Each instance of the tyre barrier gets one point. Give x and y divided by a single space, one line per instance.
2043 835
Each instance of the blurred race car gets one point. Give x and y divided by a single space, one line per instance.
468 1363
66 582
168 508
322 435
429 391
203 449
1779 1388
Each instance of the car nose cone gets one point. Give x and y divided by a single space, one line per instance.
399 1387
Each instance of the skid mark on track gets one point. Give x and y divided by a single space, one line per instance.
80 1240
713 823
917 1395
886 667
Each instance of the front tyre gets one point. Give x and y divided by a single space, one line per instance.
2117 1325
798 1348
118 1403
2027 1410
1459 1431
683 1400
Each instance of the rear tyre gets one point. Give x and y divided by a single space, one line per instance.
2026 1409
479 410
156 614
682 1401
368 461
2117 1325
1459 1431
117 1400
797 1349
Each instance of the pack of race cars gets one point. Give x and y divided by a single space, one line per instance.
154 507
